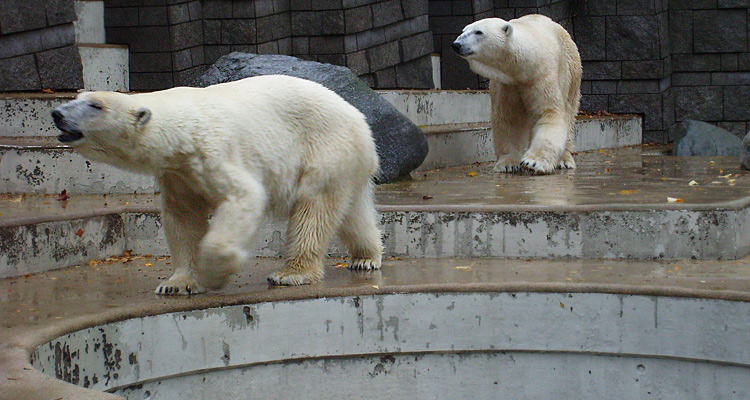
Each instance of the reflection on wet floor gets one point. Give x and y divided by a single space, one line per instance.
632 176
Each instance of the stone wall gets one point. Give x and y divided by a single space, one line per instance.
386 42
37 46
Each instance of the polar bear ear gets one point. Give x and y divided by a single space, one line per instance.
508 29
142 115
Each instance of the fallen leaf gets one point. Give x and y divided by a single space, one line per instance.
675 200
376 287
63 196
49 91
628 191
79 232
472 174
16 199
562 305
149 264
426 197
464 267
693 183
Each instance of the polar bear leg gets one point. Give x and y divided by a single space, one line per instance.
359 232
547 145
312 223
234 223
510 132
184 228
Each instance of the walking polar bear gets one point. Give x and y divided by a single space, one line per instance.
535 78
237 151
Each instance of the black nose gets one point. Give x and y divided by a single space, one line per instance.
56 115
457 47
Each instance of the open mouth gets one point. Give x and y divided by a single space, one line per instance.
72 136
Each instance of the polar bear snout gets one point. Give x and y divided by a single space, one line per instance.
461 49
70 132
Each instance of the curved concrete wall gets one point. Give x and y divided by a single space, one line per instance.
420 345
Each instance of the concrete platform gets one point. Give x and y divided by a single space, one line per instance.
592 314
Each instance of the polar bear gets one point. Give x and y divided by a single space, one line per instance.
535 78
268 145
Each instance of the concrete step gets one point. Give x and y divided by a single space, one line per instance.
43 165
616 205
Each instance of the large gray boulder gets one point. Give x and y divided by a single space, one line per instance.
696 138
745 156
401 145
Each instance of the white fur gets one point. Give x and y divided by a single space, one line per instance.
535 77
239 151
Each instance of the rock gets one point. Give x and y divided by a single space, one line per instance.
696 138
401 145
745 156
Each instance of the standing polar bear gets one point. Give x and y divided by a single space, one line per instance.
535 78
238 151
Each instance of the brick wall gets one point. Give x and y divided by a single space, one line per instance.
36 46
386 42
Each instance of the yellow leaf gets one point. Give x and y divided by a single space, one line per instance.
628 191
675 200
149 264
472 174
693 183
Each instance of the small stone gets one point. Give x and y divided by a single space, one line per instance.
696 138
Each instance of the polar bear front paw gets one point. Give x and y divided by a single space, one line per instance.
292 278
179 286
567 161
539 166
364 264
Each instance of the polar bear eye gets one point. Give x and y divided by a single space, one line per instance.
479 33
96 106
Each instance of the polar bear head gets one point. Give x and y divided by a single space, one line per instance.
104 126
485 45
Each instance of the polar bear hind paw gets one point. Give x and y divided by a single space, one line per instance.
364 264
292 278
179 287
567 161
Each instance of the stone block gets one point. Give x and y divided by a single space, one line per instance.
212 31
17 44
603 87
633 38
602 70
151 81
19 74
333 59
213 53
243 9
60 69
703 103
58 36
273 27
189 34
414 8
300 45
285 46
219 9
263 7
307 23
188 76
590 36
416 46
152 16
133 37
21 15
647 69
238 31
150 62
455 71
383 56
737 103
268 48
594 103
691 79
649 105
397 30
333 22
350 43
121 17
326 5
370 38
481 6
692 4
385 78
195 9
734 4
636 7
449 25
462 8
300 5
59 12
178 13
638 86
720 31
358 19
696 62
327 44
357 62
415 74
730 78
439 8
729 62
182 60
386 12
